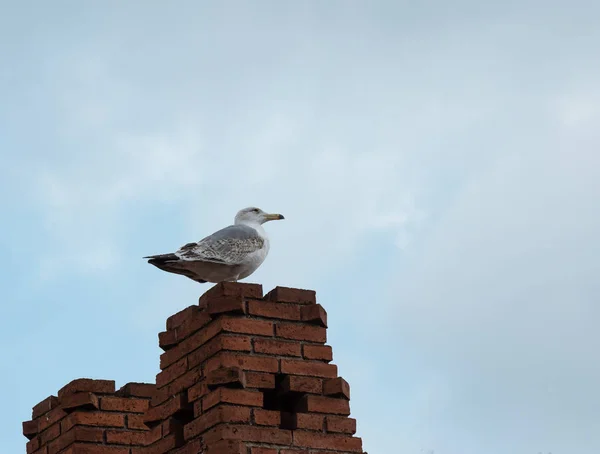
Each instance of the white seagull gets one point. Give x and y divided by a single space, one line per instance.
230 254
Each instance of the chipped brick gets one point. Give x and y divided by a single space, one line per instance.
314 314
226 376
292 295
337 387
87 385
83 400
134 389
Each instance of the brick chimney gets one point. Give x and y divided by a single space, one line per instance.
240 374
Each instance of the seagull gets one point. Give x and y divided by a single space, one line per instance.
230 254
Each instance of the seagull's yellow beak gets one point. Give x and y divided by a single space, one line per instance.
274 217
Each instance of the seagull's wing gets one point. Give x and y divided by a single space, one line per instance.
228 246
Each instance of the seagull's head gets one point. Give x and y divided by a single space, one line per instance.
253 215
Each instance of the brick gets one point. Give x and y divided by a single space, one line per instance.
225 447
301 332
247 326
243 361
337 387
267 417
197 391
175 370
260 380
181 384
255 434
167 339
192 447
49 434
226 305
277 347
31 428
126 437
232 377
320 352
327 441
136 422
33 445
80 448
223 342
308 421
232 289
314 314
160 447
194 341
95 418
302 384
50 418
87 385
177 319
257 450
81 400
299 451
77 434
340 424
192 325
134 389
320 404
44 406
269 309
292 295
232 396
173 425
218 415
125 404
312 369
172 406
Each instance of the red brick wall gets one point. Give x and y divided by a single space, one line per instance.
241 373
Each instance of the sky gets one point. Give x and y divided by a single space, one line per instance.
437 164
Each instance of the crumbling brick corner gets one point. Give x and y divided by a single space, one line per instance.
241 373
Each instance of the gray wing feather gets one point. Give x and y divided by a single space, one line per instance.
228 246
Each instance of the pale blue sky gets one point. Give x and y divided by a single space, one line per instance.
437 163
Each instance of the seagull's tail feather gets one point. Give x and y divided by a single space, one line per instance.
162 258
165 262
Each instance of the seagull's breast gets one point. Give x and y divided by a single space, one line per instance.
253 260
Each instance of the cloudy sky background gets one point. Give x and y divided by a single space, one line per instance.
437 164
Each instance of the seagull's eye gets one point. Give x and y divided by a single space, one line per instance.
255 210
